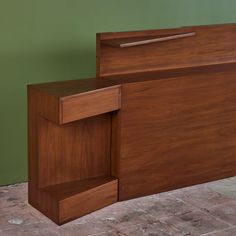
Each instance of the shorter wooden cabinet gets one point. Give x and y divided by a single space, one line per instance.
69 150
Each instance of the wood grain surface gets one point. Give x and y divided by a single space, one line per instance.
89 104
158 117
75 151
211 45
176 133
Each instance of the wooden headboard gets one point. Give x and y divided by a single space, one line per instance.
154 50
164 118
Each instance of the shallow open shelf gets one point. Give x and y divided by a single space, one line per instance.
66 190
77 198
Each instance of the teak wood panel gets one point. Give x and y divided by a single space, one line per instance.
176 133
210 45
74 151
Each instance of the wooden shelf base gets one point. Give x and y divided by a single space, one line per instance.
75 199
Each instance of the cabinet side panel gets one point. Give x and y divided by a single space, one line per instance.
32 147
115 144
176 133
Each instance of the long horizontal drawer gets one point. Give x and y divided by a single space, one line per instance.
89 104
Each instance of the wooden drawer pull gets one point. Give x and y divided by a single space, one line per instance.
155 40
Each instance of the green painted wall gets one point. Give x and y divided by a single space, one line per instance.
49 40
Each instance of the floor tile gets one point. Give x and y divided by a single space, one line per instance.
207 209
225 212
201 196
157 228
195 223
226 187
163 206
226 232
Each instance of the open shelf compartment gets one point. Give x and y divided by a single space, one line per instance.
77 198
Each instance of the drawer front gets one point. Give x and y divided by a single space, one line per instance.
89 104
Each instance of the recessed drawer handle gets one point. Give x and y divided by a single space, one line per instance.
155 40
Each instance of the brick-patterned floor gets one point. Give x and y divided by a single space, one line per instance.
207 210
